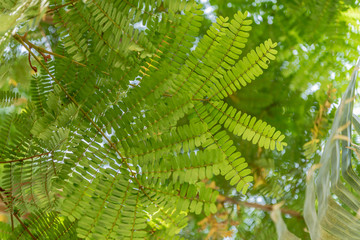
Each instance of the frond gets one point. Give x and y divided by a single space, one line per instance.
39 89
8 98
234 167
245 125
184 139
5 231
44 226
336 189
246 70
185 168
186 197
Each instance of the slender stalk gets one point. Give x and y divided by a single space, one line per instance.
24 159
43 50
12 221
60 6
200 99
24 226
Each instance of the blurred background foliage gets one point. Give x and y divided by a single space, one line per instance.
318 44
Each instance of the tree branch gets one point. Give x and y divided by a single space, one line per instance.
267 208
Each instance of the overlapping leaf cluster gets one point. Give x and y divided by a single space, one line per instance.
126 124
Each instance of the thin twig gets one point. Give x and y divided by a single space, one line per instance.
32 67
24 226
42 51
58 7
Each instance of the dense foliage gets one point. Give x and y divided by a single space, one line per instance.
139 119
124 129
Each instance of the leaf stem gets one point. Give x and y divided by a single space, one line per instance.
24 226
60 6
23 159
42 51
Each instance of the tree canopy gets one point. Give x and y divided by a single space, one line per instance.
180 119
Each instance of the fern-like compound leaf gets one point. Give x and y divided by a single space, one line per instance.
127 124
